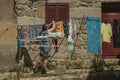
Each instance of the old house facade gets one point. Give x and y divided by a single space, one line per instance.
43 11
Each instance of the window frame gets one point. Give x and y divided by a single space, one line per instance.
57 10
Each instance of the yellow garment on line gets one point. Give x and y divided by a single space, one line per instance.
106 32
59 27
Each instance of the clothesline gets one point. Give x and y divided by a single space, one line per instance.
41 24
28 25
18 39
31 45
32 39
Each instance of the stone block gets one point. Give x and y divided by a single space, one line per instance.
66 1
61 55
20 7
84 32
84 4
20 13
80 64
79 12
30 20
98 4
30 13
60 70
84 36
83 28
23 2
74 4
88 1
110 0
41 10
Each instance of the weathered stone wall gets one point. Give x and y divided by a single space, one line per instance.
34 13
78 8
29 13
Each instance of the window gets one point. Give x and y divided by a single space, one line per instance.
57 12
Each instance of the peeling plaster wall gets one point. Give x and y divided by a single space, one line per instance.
7 35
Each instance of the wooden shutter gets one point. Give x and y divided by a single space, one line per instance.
108 50
63 12
51 11
57 12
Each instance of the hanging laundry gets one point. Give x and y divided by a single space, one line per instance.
70 40
19 43
45 45
116 33
25 32
34 31
20 36
75 27
59 27
66 29
55 43
18 32
21 32
93 33
106 32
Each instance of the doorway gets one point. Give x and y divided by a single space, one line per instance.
110 11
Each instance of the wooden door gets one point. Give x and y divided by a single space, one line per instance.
110 11
108 49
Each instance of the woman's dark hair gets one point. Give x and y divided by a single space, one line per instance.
44 27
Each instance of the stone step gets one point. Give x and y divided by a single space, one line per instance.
61 74
108 75
51 75
63 77
70 74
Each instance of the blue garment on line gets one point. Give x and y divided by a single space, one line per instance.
34 31
20 42
21 32
93 33
45 43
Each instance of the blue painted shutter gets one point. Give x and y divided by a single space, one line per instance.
93 33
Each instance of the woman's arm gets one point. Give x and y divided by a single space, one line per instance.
53 27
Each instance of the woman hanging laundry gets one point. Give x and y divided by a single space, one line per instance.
45 53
